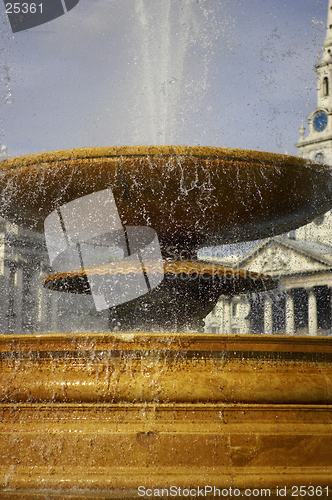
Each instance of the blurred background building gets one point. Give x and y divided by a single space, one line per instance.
27 307
302 259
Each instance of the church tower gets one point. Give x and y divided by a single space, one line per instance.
318 144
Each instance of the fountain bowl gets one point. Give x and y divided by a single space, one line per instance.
191 196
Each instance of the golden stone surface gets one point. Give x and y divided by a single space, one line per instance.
106 413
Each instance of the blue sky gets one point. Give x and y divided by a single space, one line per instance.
230 73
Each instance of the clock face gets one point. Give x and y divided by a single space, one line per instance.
320 121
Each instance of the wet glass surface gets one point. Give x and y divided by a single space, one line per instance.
85 74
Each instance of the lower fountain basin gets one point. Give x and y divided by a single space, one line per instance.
98 415
186 295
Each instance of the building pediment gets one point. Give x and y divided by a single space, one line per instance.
277 257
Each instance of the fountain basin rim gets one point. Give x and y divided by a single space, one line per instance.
28 367
159 368
211 179
171 151
149 341
245 279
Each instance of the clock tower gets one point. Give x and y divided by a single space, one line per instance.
318 144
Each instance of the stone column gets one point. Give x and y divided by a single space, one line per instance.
290 322
221 314
244 310
312 312
54 312
227 318
268 320
11 297
18 300
43 307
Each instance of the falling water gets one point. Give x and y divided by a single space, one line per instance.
5 77
163 66
172 36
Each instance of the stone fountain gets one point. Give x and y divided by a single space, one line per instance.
154 403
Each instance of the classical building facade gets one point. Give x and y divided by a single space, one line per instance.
300 305
301 260
25 305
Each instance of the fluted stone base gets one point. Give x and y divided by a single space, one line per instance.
97 416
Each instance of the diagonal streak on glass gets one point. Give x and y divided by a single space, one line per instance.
87 233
